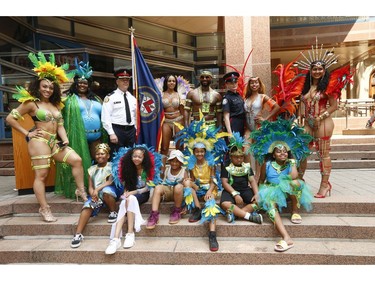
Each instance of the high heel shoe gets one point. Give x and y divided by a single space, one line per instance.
80 192
46 214
328 191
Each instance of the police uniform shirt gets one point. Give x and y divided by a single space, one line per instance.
113 110
234 104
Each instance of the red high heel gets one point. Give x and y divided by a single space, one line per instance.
328 192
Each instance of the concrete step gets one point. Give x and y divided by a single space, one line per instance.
6 164
344 164
7 172
187 251
353 147
347 155
313 226
338 204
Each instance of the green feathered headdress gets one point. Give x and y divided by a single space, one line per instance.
280 132
49 70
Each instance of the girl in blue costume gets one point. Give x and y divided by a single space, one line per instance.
136 168
280 146
205 148
82 113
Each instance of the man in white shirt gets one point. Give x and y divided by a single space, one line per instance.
119 113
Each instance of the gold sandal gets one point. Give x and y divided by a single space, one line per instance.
46 214
296 218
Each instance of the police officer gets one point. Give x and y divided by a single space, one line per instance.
119 113
233 105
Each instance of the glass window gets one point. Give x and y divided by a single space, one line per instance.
153 31
94 34
185 39
55 24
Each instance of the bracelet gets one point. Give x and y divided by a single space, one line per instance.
235 193
324 115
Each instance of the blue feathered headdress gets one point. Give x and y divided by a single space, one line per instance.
156 164
281 131
83 70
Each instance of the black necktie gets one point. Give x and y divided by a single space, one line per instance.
127 110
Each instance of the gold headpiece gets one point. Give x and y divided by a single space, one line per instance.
279 145
320 57
103 146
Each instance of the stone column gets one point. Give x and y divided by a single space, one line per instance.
243 34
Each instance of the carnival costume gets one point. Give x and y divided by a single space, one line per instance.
201 135
144 184
279 185
314 101
100 175
83 125
50 71
238 178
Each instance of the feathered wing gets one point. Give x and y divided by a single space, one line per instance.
338 80
23 95
290 85
159 83
183 87
242 79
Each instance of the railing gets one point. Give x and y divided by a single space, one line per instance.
357 107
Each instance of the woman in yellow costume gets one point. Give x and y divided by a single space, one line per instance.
48 138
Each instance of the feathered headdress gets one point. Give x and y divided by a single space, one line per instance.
201 135
48 69
281 131
236 144
241 80
83 70
156 164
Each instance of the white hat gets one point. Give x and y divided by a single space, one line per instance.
176 154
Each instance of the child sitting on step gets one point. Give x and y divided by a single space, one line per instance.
101 189
171 189
276 145
240 186
138 169
205 148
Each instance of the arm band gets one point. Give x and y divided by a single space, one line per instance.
324 115
16 115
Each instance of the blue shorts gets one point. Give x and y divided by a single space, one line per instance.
111 190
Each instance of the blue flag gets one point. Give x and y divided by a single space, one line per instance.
150 108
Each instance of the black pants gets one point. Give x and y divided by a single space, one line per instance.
125 136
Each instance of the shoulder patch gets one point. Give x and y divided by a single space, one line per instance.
106 99
225 101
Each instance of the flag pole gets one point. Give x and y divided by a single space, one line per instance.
135 81
134 72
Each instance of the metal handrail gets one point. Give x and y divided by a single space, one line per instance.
349 105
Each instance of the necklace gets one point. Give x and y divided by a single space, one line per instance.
87 104
279 168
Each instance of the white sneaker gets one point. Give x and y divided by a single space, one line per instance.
114 244
129 240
